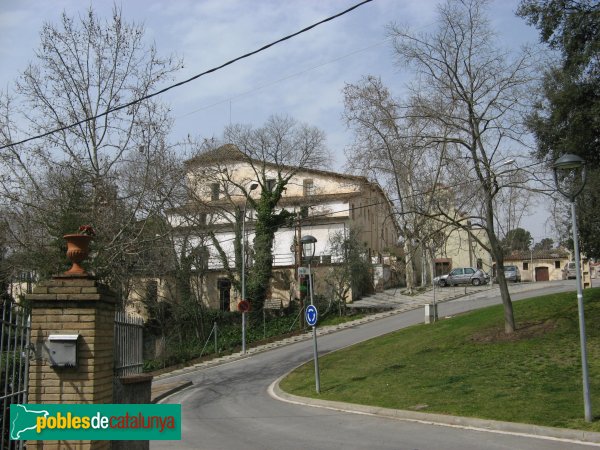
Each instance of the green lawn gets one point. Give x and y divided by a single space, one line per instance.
467 366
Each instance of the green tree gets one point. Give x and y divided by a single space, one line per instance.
517 240
566 119
544 244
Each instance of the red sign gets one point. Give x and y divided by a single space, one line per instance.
243 306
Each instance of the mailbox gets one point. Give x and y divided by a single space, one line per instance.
62 350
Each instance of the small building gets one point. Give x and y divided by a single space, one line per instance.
539 265
547 265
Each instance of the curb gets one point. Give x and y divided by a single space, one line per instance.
161 392
485 425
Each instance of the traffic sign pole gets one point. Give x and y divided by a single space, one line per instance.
316 357
243 332
311 319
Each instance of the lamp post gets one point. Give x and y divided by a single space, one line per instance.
569 165
308 251
252 187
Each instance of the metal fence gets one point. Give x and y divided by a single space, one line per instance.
14 364
129 344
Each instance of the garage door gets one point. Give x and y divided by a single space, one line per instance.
542 274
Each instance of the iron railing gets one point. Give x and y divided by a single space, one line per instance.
14 364
129 344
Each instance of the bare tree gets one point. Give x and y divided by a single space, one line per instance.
349 276
121 162
388 148
220 186
473 94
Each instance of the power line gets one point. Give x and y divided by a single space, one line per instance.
279 80
181 83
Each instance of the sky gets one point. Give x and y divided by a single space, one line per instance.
302 77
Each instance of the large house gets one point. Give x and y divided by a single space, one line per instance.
326 204
462 247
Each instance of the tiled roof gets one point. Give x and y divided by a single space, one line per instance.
538 254
230 153
224 153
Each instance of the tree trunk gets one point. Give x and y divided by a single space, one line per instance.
509 319
408 262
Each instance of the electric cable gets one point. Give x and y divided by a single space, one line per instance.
188 80
279 80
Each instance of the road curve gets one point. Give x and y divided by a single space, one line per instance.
228 406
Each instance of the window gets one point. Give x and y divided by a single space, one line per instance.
557 264
442 267
271 184
469 271
214 191
224 287
308 187
525 266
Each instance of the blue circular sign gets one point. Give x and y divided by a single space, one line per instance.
311 315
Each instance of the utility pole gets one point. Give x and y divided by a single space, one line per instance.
298 260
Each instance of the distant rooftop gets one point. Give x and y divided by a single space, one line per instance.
538 254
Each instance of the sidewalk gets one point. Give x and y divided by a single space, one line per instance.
394 298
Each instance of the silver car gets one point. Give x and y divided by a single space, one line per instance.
569 271
463 275
512 273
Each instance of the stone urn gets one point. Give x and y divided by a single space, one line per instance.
78 249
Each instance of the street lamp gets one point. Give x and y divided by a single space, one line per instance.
569 165
252 187
308 252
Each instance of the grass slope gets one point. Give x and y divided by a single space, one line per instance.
467 366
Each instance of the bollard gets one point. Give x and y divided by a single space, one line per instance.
431 314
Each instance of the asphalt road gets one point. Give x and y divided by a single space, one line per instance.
228 406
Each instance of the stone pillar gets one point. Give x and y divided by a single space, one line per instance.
132 389
72 305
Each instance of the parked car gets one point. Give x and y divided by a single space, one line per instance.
512 273
463 275
569 271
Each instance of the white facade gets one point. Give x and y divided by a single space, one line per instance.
325 203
